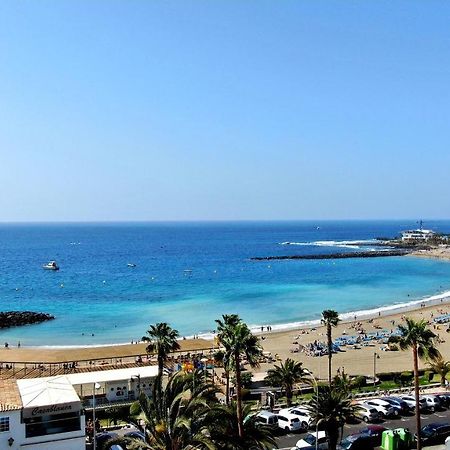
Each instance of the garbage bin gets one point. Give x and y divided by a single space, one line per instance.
405 438
389 440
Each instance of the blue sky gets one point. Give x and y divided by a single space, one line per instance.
191 110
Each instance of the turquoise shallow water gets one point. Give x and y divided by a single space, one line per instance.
97 299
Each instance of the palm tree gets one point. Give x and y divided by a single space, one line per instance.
330 407
224 333
239 342
286 376
178 416
330 318
225 432
417 336
441 367
161 339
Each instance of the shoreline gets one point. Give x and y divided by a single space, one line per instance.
386 311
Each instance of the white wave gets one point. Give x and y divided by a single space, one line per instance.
341 244
361 314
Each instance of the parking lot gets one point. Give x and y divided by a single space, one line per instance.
287 441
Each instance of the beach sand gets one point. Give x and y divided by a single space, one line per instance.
356 361
441 252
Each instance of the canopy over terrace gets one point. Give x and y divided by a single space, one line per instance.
40 355
43 392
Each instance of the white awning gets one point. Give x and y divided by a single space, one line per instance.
102 376
36 392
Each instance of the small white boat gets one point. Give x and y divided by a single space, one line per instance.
131 265
50 266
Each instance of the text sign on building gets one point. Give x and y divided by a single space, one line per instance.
61 408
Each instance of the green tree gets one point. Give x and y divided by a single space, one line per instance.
178 416
161 339
441 367
225 431
225 327
286 375
330 407
330 319
416 336
238 342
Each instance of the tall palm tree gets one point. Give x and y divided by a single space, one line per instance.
225 432
441 367
225 328
286 375
239 342
330 318
416 335
161 339
177 417
330 407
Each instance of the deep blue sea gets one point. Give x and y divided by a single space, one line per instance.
189 274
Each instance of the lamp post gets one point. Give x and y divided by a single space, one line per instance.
375 357
94 387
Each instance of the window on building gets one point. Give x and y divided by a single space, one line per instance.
52 424
4 424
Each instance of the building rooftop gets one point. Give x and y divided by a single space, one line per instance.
9 396
37 392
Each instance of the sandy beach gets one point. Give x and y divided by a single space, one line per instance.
357 361
441 252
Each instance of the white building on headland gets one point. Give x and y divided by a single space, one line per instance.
419 235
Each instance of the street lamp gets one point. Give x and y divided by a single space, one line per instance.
375 357
94 387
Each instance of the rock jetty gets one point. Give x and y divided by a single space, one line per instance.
18 318
365 254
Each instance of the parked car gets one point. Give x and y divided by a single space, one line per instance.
411 401
374 432
289 422
366 413
400 405
309 440
356 442
432 401
434 433
383 408
267 418
444 398
303 414
102 439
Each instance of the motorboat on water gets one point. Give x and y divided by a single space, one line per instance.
51 266
131 265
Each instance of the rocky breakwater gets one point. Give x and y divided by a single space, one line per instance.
18 318
364 254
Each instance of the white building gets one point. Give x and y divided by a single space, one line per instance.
417 235
41 414
48 413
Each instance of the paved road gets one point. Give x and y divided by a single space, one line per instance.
289 440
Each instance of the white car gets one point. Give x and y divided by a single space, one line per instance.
310 440
289 422
366 413
432 402
303 414
384 408
411 402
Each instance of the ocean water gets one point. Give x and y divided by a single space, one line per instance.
189 274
